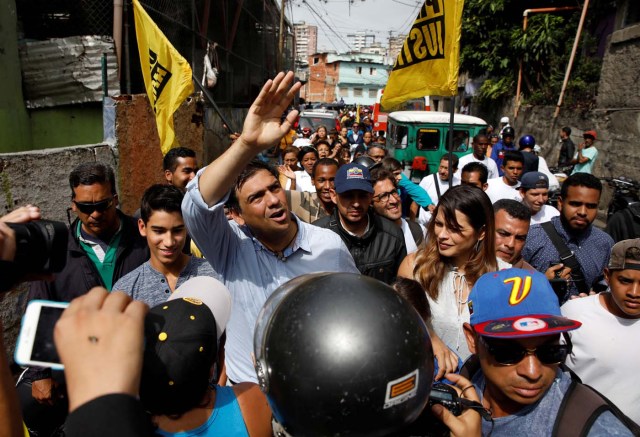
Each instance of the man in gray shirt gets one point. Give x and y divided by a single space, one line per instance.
162 225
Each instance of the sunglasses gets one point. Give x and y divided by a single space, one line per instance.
511 355
89 208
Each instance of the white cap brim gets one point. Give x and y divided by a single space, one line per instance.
213 293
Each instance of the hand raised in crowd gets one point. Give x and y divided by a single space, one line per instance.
262 127
286 170
101 333
469 423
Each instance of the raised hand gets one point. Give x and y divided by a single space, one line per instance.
262 127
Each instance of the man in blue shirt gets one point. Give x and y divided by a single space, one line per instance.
578 205
514 335
265 245
502 146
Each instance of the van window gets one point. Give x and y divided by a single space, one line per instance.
460 140
399 136
428 139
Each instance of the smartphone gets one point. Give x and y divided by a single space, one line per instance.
35 346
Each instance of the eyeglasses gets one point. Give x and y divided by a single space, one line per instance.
511 355
384 197
89 208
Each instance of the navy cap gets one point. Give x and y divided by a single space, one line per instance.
353 177
533 180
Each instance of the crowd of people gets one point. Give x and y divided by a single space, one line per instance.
528 310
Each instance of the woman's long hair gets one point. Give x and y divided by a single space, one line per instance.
430 266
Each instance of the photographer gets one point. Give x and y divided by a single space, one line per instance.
11 424
103 244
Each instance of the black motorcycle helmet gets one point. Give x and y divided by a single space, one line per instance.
508 132
366 161
342 354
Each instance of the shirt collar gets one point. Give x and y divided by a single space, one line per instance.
301 240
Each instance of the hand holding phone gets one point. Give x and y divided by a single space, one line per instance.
35 346
101 333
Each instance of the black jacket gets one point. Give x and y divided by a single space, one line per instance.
625 224
379 252
80 274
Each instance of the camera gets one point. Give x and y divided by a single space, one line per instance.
41 248
559 286
446 396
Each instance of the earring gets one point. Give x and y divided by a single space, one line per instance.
477 246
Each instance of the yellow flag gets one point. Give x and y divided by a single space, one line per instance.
428 62
167 75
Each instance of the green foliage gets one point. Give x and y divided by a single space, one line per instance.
493 45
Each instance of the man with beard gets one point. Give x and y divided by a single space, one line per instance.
571 240
376 243
308 206
386 203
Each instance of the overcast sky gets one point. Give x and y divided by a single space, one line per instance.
336 18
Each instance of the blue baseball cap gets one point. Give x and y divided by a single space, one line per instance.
534 180
353 177
516 303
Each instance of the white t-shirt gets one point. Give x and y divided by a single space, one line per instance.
488 162
606 353
409 241
301 142
428 183
304 182
544 215
498 189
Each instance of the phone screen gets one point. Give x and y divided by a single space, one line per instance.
44 349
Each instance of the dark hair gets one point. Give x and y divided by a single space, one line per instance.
391 164
317 143
379 174
514 208
454 160
323 161
160 198
90 173
566 130
291 149
477 167
170 161
475 139
513 155
304 150
580 180
412 292
377 146
247 173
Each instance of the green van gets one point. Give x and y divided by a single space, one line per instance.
419 138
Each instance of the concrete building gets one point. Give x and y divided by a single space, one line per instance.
355 78
395 45
306 37
360 40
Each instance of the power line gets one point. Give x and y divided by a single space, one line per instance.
313 11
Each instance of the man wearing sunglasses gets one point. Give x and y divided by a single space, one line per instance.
514 335
103 245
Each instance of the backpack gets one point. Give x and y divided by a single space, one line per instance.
580 407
